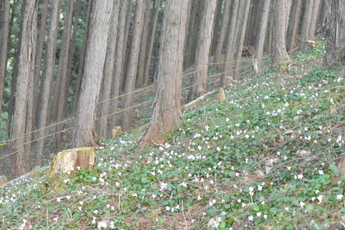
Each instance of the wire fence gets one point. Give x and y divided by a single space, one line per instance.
143 96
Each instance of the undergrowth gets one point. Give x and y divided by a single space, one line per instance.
266 158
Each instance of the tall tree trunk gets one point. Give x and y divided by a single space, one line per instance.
322 13
4 33
193 31
15 65
71 54
143 46
119 65
253 23
198 80
222 34
132 65
227 75
38 62
94 64
82 57
167 103
59 106
25 74
152 39
108 73
260 37
216 26
48 75
241 38
314 17
294 25
269 32
306 24
279 53
335 32
127 42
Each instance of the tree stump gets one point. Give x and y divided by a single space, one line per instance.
70 159
3 180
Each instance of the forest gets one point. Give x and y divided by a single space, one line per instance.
71 71
197 114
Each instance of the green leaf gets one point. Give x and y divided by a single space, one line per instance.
222 225
325 179
309 207
145 180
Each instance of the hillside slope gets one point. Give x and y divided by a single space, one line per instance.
265 158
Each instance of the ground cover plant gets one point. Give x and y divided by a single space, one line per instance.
265 158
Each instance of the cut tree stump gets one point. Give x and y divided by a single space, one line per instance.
72 159
3 180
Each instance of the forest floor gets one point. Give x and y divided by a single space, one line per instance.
265 158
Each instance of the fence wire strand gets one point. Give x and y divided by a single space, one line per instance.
123 110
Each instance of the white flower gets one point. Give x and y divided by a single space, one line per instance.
163 186
340 196
251 218
339 139
212 202
302 204
184 184
214 222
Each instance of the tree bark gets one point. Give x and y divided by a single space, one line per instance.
227 76
193 28
241 38
198 80
71 54
119 65
279 53
59 105
167 102
314 18
108 73
48 75
38 62
294 25
82 57
260 38
152 39
143 46
304 36
15 66
83 132
223 30
25 74
216 26
335 32
4 33
132 65
253 23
